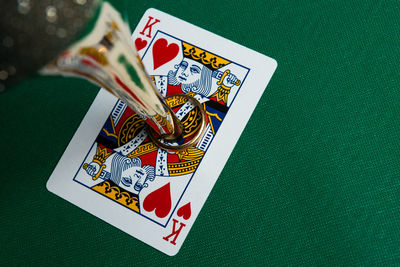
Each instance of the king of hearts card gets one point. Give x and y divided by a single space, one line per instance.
113 170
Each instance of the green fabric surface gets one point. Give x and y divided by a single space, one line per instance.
313 180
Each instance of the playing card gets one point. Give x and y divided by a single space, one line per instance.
113 170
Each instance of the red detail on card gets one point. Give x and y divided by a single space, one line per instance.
89 63
163 52
174 89
149 158
149 26
159 201
175 232
185 211
140 44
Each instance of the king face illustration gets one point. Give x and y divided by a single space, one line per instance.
198 73
192 76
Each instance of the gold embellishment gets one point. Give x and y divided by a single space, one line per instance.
191 122
94 178
210 120
221 94
190 153
223 77
110 134
206 58
114 192
129 129
175 101
142 150
213 115
182 168
113 128
162 121
192 94
101 155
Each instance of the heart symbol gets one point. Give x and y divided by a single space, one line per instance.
185 211
159 201
163 53
140 43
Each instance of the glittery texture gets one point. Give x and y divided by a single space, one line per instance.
33 32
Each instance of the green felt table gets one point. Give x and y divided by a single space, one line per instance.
313 180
